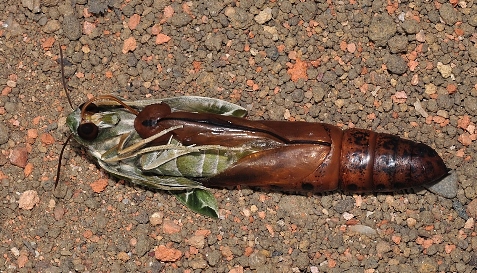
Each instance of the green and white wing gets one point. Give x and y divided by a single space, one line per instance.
197 104
135 175
190 193
200 201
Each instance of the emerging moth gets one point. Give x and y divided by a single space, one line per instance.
187 144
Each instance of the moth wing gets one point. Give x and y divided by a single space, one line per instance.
200 201
192 194
171 183
196 104
205 105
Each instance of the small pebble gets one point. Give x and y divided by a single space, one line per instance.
258 258
470 105
421 36
71 27
411 222
446 187
123 256
469 224
198 263
51 26
28 200
33 5
273 31
156 218
11 83
420 110
472 209
430 88
129 45
59 212
348 216
197 241
162 38
449 14
98 6
362 229
169 227
445 70
19 157
165 254
398 44
427 266
396 65
410 26
12 27
15 251
99 185
264 16
382 28
180 19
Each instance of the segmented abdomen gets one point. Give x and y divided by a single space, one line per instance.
373 161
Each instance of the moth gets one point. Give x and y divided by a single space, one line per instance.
188 144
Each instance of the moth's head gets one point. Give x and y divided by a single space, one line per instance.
99 128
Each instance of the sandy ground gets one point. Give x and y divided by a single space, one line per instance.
407 69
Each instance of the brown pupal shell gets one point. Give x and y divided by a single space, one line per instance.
302 156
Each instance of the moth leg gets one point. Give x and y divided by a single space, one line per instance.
113 152
118 157
123 140
145 141
190 148
178 150
128 152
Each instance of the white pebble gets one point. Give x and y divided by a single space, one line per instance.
28 200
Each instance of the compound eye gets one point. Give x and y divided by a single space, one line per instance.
88 131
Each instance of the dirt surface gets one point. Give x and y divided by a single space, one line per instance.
407 69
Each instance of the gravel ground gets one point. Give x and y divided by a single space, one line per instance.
402 68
